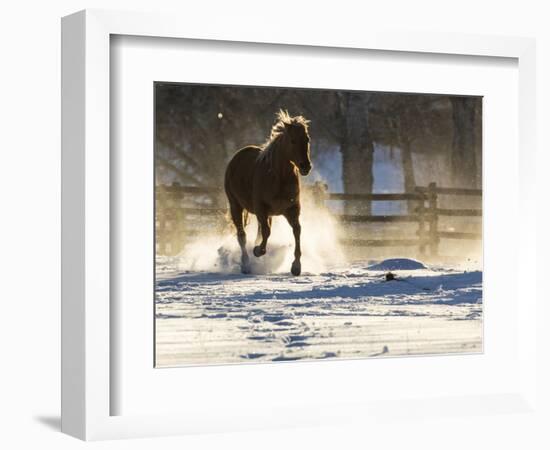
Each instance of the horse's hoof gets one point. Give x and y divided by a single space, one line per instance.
296 268
258 251
245 269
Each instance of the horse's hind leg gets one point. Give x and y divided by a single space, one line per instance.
293 217
237 217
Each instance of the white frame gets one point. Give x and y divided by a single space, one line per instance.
85 202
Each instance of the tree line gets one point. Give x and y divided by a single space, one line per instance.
199 127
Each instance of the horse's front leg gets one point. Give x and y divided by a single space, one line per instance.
293 217
265 227
259 234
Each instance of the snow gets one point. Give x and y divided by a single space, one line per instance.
215 317
398 264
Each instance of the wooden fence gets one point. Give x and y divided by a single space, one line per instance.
184 211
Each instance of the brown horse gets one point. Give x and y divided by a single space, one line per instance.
265 181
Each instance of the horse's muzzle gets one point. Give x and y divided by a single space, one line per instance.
304 169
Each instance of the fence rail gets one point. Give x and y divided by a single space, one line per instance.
381 242
458 235
458 212
178 208
449 191
375 197
377 219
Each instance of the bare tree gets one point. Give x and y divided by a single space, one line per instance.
466 141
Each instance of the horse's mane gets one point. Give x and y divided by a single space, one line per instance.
284 120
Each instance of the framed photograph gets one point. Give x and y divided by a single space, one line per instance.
297 216
347 199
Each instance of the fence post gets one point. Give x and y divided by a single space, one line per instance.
433 219
160 213
318 192
178 230
223 206
421 211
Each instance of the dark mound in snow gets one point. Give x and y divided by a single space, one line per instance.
398 264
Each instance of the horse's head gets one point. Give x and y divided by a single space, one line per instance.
299 147
296 134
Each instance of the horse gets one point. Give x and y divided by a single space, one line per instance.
265 181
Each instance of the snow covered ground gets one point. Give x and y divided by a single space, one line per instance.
208 317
